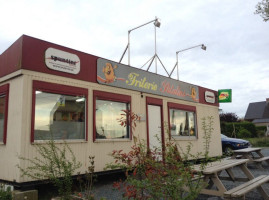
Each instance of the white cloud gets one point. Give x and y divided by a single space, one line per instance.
237 40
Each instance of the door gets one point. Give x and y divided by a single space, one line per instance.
155 129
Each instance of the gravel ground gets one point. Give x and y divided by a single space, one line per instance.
104 189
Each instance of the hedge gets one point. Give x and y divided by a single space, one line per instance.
261 128
231 128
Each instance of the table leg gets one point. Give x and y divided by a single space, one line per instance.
248 156
259 165
260 156
209 182
263 193
260 153
220 187
230 173
246 171
250 176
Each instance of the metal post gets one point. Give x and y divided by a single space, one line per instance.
156 23
177 67
129 47
123 53
155 50
129 32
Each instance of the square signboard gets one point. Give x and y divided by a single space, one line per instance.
225 95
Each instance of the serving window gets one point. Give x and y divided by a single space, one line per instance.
182 119
109 108
59 112
4 93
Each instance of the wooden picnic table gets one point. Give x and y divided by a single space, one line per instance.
247 153
212 177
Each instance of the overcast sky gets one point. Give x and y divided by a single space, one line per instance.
237 40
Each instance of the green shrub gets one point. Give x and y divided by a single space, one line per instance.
223 128
259 142
243 133
53 165
231 129
5 194
261 130
260 133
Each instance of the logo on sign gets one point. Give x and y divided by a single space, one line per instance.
225 96
62 61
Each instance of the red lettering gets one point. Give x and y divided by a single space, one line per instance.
169 89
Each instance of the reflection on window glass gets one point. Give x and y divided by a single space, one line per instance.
59 116
107 115
2 117
182 123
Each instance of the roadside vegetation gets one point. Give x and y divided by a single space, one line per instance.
259 142
232 126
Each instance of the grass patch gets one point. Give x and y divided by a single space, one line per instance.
259 142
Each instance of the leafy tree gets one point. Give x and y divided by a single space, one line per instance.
262 8
228 117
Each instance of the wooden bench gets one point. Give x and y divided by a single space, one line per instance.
240 191
259 161
239 157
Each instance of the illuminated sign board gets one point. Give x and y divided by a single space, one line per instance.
123 76
225 96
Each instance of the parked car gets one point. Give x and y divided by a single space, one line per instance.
230 144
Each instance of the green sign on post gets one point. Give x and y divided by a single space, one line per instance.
225 96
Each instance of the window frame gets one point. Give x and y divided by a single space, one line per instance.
56 88
186 108
108 96
4 91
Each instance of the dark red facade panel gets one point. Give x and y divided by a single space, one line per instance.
202 98
10 60
29 53
34 59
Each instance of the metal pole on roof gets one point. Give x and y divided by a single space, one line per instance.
203 47
156 24
155 50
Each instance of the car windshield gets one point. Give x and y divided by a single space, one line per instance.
223 136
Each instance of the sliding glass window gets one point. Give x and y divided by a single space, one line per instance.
182 123
182 119
109 108
59 116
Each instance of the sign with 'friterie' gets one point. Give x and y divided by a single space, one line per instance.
123 76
